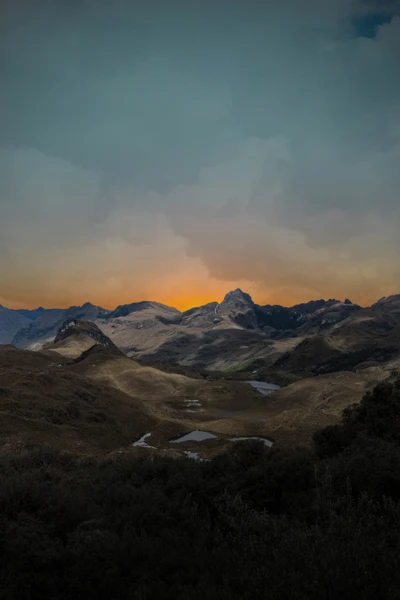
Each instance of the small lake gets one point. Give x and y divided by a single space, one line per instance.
194 436
263 387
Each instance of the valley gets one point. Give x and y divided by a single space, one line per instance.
96 381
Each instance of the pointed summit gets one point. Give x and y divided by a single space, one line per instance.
75 337
239 308
75 327
237 297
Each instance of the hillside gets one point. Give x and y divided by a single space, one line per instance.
75 336
10 322
45 326
367 337
99 401
42 401
82 393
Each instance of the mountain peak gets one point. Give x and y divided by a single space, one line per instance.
236 296
75 327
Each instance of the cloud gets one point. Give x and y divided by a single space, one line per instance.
146 152
61 245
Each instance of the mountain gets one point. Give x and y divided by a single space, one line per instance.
100 401
44 328
125 310
315 337
10 322
140 326
82 394
235 332
38 312
239 308
76 336
366 337
303 318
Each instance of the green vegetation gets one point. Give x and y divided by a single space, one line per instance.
264 372
253 523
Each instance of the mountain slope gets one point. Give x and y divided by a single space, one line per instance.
44 328
99 401
43 402
139 326
366 337
10 322
76 336
237 331
33 314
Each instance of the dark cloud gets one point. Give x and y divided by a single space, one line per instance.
213 141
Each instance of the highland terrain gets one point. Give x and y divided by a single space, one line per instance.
96 381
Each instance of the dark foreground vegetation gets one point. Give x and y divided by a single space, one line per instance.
253 523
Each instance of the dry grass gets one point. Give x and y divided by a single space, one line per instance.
297 410
72 348
41 402
105 401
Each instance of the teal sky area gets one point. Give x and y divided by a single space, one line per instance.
176 150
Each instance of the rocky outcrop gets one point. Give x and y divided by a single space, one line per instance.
75 327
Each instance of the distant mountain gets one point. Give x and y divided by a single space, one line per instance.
345 336
313 337
76 336
38 312
314 314
204 316
239 308
10 322
140 326
44 328
127 309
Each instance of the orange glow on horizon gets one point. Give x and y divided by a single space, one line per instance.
187 301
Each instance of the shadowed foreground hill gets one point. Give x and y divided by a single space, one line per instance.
43 401
99 401
251 524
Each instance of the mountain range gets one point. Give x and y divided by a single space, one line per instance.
94 380
316 337
216 335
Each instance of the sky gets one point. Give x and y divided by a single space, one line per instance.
175 150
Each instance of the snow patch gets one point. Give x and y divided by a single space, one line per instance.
192 402
141 443
195 456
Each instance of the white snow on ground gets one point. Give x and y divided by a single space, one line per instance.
195 456
192 402
141 443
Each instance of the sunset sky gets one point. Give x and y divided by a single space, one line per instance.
177 149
